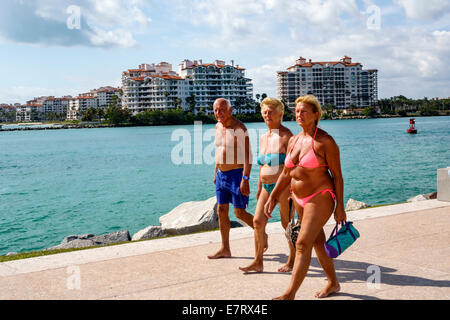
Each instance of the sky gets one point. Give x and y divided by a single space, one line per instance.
67 47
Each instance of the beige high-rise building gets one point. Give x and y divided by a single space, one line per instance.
340 83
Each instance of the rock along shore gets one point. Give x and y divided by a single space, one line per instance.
189 217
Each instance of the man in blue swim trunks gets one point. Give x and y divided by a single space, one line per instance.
231 174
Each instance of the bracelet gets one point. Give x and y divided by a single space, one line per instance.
246 178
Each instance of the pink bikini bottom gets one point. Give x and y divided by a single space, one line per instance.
303 201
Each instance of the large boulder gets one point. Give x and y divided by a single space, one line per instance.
353 204
189 217
419 197
90 240
422 197
149 233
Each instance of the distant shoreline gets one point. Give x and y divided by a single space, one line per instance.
50 126
57 126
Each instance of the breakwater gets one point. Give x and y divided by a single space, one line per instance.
59 127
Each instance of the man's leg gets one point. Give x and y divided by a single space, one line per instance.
224 226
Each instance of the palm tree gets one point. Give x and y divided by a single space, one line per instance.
191 101
178 103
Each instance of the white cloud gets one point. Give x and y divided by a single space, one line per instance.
412 62
249 23
410 59
104 23
119 37
424 9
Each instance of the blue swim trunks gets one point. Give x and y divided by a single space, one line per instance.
228 188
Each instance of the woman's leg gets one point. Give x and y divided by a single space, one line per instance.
315 214
259 224
283 205
328 267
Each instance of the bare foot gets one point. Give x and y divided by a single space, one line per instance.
266 245
222 253
256 267
329 289
286 268
284 297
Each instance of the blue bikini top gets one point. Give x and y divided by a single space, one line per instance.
271 159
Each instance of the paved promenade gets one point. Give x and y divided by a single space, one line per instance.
405 246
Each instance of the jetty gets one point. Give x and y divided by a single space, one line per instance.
403 253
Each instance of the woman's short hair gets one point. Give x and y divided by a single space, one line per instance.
274 103
311 101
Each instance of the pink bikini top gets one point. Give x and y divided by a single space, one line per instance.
309 160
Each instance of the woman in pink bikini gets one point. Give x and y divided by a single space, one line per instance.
313 170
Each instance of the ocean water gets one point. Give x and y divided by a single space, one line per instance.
62 182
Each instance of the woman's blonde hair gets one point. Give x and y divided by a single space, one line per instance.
311 101
274 103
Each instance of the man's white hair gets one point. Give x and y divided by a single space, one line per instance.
218 100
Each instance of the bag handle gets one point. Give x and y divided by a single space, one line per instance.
347 224
334 234
290 208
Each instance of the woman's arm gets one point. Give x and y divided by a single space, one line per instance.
258 192
332 156
284 180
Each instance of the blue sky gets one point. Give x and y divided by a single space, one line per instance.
408 41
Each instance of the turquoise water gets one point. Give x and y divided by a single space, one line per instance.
62 182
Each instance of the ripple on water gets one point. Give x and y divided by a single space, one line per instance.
100 180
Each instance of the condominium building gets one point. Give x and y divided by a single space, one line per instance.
79 105
32 111
7 112
153 87
96 98
104 95
57 105
196 86
209 81
340 83
23 114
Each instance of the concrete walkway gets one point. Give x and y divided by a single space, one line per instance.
406 247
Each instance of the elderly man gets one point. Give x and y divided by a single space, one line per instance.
232 171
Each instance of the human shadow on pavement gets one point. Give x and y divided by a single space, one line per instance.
352 271
280 257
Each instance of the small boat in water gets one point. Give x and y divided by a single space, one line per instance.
412 126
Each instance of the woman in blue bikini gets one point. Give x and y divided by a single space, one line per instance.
272 153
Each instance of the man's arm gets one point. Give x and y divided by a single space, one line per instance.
245 185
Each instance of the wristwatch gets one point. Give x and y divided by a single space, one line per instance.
246 178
